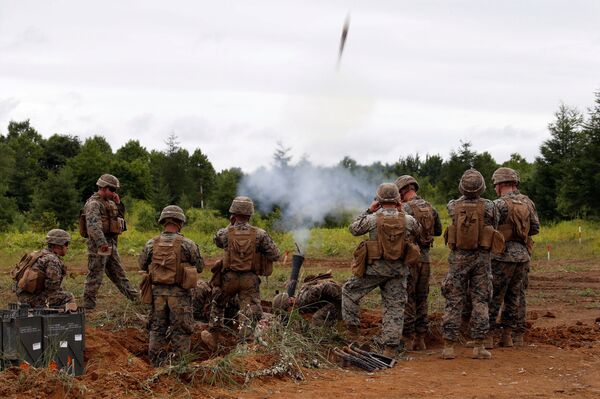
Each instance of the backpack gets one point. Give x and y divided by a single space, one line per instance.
518 221
390 235
26 277
165 267
82 224
468 221
241 248
423 213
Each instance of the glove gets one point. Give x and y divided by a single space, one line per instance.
71 307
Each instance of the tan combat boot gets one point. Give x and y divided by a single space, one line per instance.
518 339
409 343
448 352
488 341
507 340
420 343
479 351
209 339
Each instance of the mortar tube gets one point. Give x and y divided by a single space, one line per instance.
297 261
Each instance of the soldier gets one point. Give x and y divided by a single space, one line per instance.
101 222
248 252
47 272
518 221
202 301
322 298
173 262
415 319
469 237
391 237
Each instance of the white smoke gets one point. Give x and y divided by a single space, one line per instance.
307 194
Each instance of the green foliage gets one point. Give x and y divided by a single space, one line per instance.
93 160
57 195
225 190
144 217
204 220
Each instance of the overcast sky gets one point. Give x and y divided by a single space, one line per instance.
233 78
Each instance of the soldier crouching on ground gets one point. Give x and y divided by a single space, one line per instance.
173 263
321 297
249 252
470 238
518 221
202 302
39 275
417 306
389 250
101 222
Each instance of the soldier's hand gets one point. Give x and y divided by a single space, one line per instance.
116 198
104 248
71 307
374 206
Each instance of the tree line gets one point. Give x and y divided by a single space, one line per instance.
46 181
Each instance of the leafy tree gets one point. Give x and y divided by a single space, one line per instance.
58 196
281 156
349 163
132 167
431 168
203 175
93 160
57 150
226 184
8 205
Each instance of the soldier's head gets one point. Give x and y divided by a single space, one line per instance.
472 184
241 208
387 195
407 186
107 186
58 241
505 180
282 302
172 217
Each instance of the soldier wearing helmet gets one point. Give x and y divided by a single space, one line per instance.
101 221
50 271
248 252
415 319
392 235
474 220
518 221
319 297
172 262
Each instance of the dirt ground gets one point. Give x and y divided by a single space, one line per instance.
561 358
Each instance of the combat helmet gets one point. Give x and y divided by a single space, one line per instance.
388 193
280 301
472 183
107 180
505 175
173 212
405 180
242 206
58 237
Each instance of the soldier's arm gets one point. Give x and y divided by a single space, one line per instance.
220 238
534 221
146 256
53 279
491 214
437 223
413 228
193 254
360 225
94 223
267 246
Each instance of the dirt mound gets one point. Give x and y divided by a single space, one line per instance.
577 336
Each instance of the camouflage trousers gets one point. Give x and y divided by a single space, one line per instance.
508 285
393 300
246 285
171 314
40 300
521 326
467 270
417 306
326 316
112 266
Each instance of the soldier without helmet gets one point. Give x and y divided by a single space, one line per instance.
101 223
415 320
518 221
50 271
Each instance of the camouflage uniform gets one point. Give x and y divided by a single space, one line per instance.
202 301
97 264
323 298
510 270
468 270
52 295
389 276
245 285
171 304
417 306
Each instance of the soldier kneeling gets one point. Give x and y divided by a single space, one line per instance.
173 262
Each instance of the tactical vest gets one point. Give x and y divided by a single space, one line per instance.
518 221
241 254
390 242
423 212
27 277
166 266
112 223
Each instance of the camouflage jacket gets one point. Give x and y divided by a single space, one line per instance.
515 251
94 209
55 271
490 216
313 295
264 243
366 222
437 223
189 254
